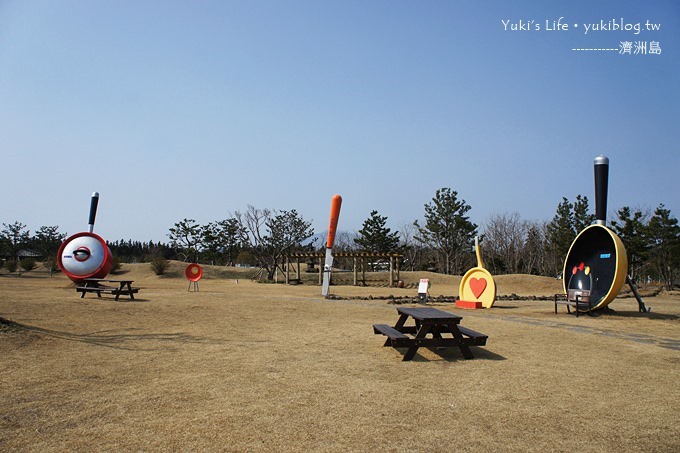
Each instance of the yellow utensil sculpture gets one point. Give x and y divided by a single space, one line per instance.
477 284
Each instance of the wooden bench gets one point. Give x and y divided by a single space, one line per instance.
579 305
395 338
479 339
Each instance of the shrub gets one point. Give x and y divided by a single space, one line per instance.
27 264
159 265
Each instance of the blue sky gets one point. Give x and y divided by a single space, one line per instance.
196 109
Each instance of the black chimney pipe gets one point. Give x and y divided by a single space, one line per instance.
93 211
601 186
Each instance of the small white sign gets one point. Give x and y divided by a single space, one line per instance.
423 286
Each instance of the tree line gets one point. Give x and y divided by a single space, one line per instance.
20 248
442 241
510 245
652 241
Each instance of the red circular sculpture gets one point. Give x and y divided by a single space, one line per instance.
193 272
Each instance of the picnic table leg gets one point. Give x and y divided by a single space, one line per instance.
399 325
422 332
400 322
437 332
464 348
129 287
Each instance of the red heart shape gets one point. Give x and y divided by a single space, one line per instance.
477 285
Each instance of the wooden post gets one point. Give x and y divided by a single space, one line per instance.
363 270
320 270
287 270
354 268
391 282
299 277
398 279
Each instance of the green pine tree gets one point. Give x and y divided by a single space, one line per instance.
447 229
632 230
374 236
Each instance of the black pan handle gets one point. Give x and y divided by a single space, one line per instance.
93 210
601 186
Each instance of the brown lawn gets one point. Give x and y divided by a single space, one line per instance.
250 367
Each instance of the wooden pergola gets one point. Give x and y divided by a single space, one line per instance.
358 262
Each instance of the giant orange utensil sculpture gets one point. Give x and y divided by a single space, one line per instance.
336 202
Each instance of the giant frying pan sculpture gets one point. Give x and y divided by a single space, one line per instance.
596 266
85 255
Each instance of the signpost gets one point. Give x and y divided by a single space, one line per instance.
423 289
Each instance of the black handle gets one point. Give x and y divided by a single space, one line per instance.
601 186
93 209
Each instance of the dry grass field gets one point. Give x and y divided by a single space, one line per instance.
243 366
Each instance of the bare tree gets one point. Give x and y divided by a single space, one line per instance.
344 241
505 236
534 261
271 234
664 236
410 246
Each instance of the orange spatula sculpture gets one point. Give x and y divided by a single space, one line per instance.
336 202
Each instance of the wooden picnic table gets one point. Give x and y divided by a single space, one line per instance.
103 285
430 326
